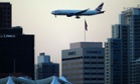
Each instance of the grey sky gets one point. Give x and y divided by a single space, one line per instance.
55 34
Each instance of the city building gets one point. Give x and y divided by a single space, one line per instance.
83 63
5 15
136 71
131 17
117 47
113 64
16 52
17 49
45 68
42 58
128 31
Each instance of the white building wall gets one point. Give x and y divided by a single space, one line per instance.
84 63
86 45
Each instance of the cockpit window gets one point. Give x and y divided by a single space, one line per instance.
57 11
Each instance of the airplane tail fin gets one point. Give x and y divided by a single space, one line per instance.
99 8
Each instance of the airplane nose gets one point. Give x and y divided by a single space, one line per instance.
53 12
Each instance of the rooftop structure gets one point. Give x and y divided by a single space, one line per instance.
22 80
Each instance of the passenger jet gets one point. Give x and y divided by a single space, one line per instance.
79 13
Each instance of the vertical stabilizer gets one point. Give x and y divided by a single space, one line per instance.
99 8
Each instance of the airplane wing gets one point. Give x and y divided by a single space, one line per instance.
78 13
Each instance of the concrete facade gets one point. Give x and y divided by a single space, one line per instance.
83 63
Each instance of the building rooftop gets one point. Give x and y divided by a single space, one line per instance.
86 44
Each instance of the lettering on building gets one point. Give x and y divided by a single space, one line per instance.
7 36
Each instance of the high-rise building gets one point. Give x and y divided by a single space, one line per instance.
113 64
136 71
117 47
16 52
131 17
83 63
45 68
5 15
17 49
128 31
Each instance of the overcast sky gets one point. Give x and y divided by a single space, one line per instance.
52 35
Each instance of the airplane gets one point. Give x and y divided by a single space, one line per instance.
78 13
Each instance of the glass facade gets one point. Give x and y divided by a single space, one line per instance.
128 31
45 70
113 64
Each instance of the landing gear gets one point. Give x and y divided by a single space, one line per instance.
77 17
55 16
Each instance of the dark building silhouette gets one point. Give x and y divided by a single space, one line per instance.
16 52
16 48
5 15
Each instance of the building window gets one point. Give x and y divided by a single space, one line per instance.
94 52
72 53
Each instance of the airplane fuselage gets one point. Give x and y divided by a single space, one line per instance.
72 12
78 13
67 12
